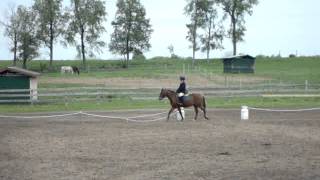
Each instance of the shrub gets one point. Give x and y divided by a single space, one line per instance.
292 56
43 67
138 55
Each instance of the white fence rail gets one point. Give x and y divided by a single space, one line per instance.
96 93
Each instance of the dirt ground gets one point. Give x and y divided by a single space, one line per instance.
268 146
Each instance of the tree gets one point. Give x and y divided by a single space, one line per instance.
132 30
171 49
212 39
11 31
51 21
236 10
196 10
87 17
27 39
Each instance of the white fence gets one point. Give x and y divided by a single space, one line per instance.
104 93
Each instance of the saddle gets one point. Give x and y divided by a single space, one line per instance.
183 98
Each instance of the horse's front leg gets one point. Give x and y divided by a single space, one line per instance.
169 114
179 109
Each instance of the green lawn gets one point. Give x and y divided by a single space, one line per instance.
294 70
152 104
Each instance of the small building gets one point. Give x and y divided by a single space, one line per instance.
22 82
239 64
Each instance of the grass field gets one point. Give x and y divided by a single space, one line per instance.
285 69
150 73
237 102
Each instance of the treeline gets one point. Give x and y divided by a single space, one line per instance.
204 15
81 24
47 22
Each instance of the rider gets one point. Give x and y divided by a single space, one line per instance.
182 90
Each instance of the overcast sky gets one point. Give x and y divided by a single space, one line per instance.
276 26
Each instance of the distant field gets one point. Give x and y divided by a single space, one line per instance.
294 70
288 70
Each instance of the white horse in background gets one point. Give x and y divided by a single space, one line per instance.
66 69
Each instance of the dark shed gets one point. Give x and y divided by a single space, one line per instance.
14 80
239 64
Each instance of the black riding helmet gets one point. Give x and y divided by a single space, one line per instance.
182 78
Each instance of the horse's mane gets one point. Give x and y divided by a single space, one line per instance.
171 91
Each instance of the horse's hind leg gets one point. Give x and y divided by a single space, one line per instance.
204 113
196 112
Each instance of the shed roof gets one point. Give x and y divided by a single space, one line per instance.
239 57
17 70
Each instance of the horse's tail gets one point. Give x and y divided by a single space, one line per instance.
204 102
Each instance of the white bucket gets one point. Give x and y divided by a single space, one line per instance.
179 118
244 113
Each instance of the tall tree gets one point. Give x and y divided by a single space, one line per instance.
214 32
196 10
236 10
11 31
51 21
132 30
87 18
27 39
171 50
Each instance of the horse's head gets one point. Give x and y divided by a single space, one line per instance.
162 94
166 93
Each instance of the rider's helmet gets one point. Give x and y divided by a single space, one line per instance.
182 78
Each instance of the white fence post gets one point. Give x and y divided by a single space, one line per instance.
66 100
306 84
183 69
244 113
226 81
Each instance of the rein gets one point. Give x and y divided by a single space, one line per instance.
171 95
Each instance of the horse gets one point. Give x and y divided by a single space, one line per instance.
195 100
66 69
76 70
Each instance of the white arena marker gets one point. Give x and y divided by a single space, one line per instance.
244 113
179 118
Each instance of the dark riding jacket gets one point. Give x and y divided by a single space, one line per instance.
182 88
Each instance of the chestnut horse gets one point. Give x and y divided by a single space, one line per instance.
195 100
